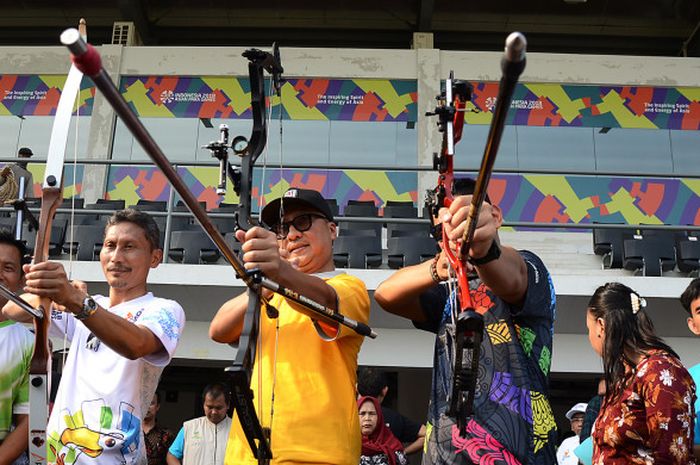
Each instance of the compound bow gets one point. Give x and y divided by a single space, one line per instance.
469 325
86 58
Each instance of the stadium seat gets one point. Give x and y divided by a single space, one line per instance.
58 230
361 209
357 252
403 210
86 243
608 243
410 250
649 255
688 254
192 247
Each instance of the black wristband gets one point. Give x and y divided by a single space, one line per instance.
493 253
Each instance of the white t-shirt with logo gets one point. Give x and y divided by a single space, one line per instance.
103 396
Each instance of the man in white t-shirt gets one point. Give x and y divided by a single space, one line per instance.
565 453
16 344
119 346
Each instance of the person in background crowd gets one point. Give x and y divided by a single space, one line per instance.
158 439
16 343
690 299
202 441
379 445
565 452
592 410
19 169
373 382
647 412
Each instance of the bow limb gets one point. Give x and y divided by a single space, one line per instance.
51 198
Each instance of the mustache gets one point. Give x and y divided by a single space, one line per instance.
119 269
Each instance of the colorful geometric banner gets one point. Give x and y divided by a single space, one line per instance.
37 95
134 183
591 106
302 99
527 198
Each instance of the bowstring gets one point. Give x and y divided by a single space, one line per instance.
261 203
71 221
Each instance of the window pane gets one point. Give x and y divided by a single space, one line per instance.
559 148
470 149
633 150
686 152
363 143
9 132
177 137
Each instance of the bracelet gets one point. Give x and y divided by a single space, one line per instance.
433 270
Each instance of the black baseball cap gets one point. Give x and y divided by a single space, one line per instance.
25 152
296 197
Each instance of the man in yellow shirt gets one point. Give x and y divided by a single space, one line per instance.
315 413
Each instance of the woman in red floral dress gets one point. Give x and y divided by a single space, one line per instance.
647 414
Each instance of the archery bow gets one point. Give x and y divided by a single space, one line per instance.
86 58
51 198
469 325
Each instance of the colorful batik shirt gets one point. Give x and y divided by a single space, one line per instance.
513 422
652 421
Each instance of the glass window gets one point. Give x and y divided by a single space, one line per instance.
470 149
686 152
304 142
563 148
177 137
633 150
9 128
363 143
35 133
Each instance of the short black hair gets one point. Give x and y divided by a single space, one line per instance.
691 293
465 186
215 390
140 219
371 381
6 237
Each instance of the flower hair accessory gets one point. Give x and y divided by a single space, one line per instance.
637 302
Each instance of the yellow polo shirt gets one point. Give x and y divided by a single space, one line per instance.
315 410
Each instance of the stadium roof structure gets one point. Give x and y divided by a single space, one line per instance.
620 27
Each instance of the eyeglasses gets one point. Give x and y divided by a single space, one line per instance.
301 223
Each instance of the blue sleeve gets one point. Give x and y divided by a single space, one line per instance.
695 373
540 297
178 445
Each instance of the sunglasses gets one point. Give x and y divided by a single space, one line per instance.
301 223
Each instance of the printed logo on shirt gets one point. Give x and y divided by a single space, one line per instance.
95 434
134 317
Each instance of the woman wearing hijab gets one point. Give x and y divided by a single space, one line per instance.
379 445
647 413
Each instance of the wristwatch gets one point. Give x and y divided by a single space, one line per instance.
89 309
493 254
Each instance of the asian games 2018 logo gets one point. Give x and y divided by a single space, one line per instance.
166 96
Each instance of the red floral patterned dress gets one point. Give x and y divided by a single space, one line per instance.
652 422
